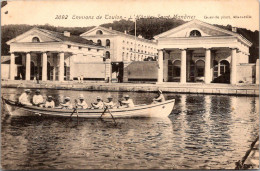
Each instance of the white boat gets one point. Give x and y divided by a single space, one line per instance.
159 110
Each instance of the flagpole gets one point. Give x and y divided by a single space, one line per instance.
135 39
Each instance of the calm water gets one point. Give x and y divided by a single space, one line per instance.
202 132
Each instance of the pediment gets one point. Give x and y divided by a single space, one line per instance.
203 28
28 36
98 31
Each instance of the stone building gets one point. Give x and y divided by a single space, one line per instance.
197 51
56 56
122 48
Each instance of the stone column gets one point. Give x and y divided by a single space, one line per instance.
160 68
207 66
233 75
257 72
12 66
44 66
108 70
183 66
61 66
72 68
28 66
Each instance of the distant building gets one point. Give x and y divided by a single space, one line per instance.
198 51
122 48
48 55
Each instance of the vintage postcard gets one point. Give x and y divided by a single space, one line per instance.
127 84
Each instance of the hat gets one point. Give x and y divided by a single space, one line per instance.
110 97
127 95
81 96
37 91
49 97
67 98
98 98
27 90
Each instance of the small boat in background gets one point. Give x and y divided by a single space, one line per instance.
159 110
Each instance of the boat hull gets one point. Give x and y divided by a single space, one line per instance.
154 110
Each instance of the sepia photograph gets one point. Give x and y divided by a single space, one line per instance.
127 84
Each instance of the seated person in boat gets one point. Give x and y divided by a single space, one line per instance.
37 98
81 104
127 102
160 97
49 103
24 98
66 104
98 105
110 104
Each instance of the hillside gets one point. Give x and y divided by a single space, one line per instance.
148 28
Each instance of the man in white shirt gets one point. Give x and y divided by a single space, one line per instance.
127 102
24 98
37 98
110 103
160 97
99 104
67 104
81 103
49 103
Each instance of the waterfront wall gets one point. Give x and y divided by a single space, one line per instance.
90 70
196 88
141 71
246 73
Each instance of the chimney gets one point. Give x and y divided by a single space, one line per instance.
110 28
66 33
234 29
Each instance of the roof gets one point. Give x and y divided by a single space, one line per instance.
5 59
239 36
58 36
72 38
118 33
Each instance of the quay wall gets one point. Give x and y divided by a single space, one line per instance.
246 90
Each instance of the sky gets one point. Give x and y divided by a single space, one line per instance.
83 13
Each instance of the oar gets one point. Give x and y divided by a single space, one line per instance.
107 109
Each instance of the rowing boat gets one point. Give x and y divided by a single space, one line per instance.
162 109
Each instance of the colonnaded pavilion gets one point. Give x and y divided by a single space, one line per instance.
198 51
55 56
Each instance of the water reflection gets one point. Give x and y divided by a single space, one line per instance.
203 132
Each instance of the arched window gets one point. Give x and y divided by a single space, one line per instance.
224 67
35 39
195 33
200 67
177 68
107 55
99 32
99 42
108 43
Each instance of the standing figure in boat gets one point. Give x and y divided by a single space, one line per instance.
127 102
160 97
37 98
49 103
66 104
81 104
24 98
110 104
99 104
